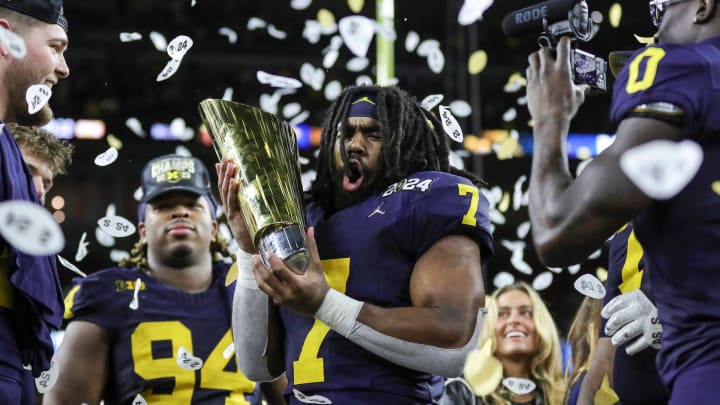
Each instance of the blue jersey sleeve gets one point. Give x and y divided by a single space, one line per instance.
687 76
450 205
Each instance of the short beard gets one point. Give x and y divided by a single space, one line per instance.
371 185
19 78
180 257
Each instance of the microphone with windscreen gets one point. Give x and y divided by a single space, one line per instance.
553 19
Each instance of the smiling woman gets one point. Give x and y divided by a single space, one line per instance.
519 336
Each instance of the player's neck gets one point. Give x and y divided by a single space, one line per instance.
192 278
516 367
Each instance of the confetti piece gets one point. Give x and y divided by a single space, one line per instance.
460 108
312 31
325 17
182 151
661 169
357 32
523 230
158 40
229 33
411 41
332 90
82 250
431 101
14 43
139 400
134 125
47 379
68 265
276 33
502 279
477 62
130 36
116 226
135 303
363 80
589 285
300 4
357 64
107 158
427 46
519 386
574 269
169 70
37 97
103 238
30 228
228 94
114 141
187 361
473 10
179 46
300 118
291 110
311 76
515 82
542 281
255 23
510 114
450 124
228 352
277 81
436 60
330 59
356 5
615 15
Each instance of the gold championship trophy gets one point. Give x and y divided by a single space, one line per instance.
264 148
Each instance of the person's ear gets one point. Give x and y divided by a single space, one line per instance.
142 233
705 11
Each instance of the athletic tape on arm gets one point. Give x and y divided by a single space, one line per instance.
340 313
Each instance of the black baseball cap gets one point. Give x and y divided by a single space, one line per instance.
50 11
175 173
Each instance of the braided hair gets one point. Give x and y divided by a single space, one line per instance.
138 254
414 140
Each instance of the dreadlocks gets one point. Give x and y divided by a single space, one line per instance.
138 254
414 140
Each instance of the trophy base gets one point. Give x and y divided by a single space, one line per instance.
287 243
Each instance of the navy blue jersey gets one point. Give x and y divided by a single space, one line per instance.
368 251
627 272
145 343
28 284
681 235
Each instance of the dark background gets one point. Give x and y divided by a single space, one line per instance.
113 81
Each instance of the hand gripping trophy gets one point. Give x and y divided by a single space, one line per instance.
264 148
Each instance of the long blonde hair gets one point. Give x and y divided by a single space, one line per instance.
583 337
546 365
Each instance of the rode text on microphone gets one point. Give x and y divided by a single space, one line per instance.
556 18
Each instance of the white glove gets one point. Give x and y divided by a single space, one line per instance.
633 315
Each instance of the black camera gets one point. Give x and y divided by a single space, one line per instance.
556 18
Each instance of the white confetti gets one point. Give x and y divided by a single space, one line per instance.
436 60
518 195
357 32
139 399
542 281
330 58
68 265
303 160
228 352
556 270
130 36
138 193
178 47
589 285
82 250
363 80
135 302
278 81
183 151
116 226
522 100
37 96
276 33
14 43
116 255
594 255
291 110
300 118
255 23
357 64
411 41
300 4
307 178
456 160
431 101
312 31
134 125
168 71
427 46
159 41
510 114
523 230
187 361
47 378
661 169
460 108
385 31
332 90
228 94
229 33
450 124
30 228
502 279
269 103
107 158
103 238
574 269
473 10
311 76
519 386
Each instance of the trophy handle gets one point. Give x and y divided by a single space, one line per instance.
287 243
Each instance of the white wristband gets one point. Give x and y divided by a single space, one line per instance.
245 277
339 311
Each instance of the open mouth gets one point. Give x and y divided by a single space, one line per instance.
514 334
353 178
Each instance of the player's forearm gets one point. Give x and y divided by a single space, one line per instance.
600 366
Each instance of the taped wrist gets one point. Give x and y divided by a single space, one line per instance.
245 276
339 312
